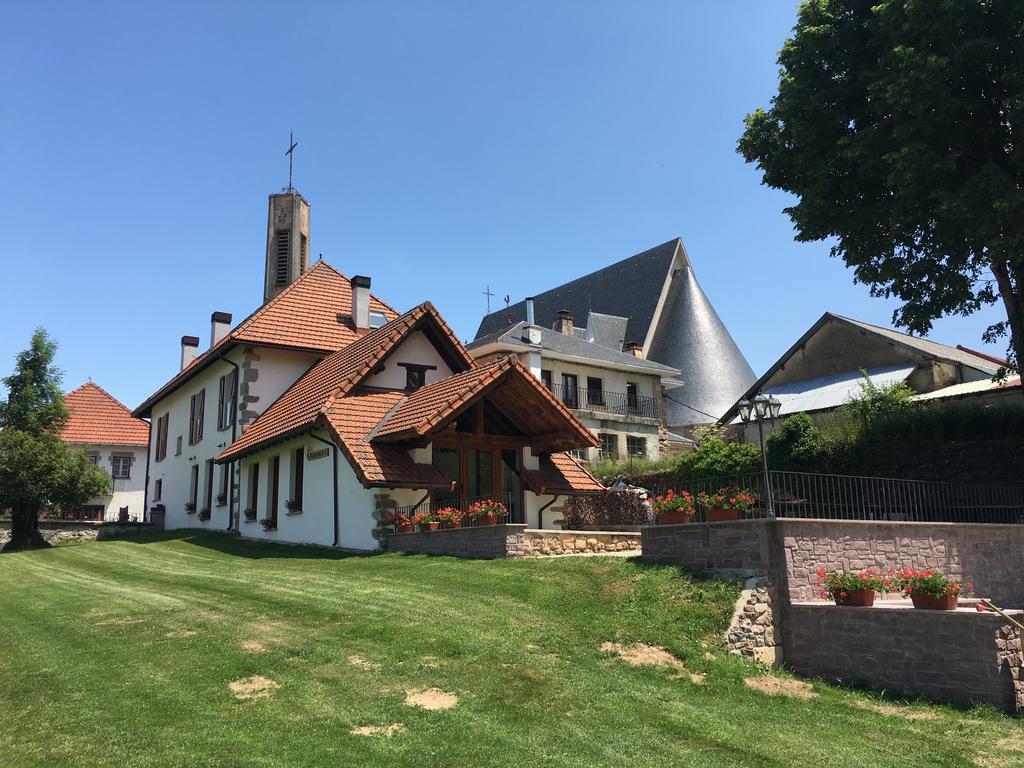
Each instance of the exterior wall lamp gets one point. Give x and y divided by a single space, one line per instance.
760 409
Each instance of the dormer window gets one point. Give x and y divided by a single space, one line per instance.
377 319
415 375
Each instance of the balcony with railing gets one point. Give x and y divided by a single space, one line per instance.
619 403
510 500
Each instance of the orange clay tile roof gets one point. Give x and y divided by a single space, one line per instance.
97 417
311 397
561 474
431 406
352 420
313 313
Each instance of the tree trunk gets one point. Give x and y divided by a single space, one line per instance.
25 531
1008 279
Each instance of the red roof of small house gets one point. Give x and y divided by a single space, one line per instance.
561 474
96 417
313 313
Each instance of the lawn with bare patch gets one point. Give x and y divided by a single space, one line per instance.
202 650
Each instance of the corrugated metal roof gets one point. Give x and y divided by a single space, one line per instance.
970 388
831 391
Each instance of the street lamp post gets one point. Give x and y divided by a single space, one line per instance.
761 408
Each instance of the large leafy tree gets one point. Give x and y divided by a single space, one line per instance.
37 469
898 126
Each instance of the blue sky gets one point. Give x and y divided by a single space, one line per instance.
444 146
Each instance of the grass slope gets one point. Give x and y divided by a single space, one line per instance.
121 654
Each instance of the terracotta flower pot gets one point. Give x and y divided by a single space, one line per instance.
674 517
404 527
860 597
450 526
930 602
720 514
487 521
431 526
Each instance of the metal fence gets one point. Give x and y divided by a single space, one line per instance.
508 499
621 403
850 497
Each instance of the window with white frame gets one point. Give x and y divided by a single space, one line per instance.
121 467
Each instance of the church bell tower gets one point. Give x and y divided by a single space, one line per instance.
287 241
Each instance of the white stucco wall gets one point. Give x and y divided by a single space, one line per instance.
418 350
124 492
277 370
315 523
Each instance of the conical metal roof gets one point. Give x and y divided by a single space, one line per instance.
683 332
691 336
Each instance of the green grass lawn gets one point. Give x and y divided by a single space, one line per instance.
122 654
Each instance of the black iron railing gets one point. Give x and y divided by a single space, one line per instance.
850 497
622 403
508 499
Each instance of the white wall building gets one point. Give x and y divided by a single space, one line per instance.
116 442
325 411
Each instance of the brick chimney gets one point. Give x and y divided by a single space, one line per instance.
634 348
361 302
189 347
563 322
220 324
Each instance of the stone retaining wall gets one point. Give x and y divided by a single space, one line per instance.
961 657
56 531
482 541
754 630
544 543
789 551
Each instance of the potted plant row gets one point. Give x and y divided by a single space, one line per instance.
927 589
675 507
481 513
204 513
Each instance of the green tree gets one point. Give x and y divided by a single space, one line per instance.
897 126
37 469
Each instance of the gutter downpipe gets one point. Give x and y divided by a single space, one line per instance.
540 512
234 435
334 458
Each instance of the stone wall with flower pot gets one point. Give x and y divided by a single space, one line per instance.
542 543
478 542
789 551
960 657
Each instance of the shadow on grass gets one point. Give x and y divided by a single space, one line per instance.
232 544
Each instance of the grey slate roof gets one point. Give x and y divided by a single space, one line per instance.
570 345
606 330
690 336
628 288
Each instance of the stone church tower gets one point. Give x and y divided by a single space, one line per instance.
287 241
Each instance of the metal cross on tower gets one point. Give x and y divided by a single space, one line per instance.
487 292
292 144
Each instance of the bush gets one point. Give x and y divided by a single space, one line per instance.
715 458
616 508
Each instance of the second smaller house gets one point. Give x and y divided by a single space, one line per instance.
615 392
826 368
115 441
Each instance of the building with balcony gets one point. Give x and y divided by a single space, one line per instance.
618 395
115 441
659 313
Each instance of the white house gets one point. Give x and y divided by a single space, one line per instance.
325 411
617 394
114 440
